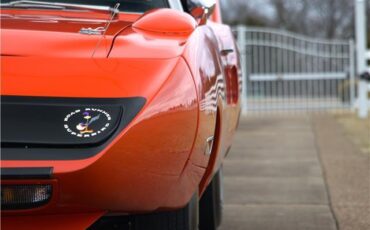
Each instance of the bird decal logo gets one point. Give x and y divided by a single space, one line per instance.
87 122
83 127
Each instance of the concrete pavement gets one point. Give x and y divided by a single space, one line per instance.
274 179
347 172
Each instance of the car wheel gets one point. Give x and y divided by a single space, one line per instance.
211 204
186 218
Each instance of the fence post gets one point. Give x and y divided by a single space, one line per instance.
352 73
361 60
243 61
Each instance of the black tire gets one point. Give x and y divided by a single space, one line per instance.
211 204
186 218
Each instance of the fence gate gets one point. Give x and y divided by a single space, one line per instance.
286 71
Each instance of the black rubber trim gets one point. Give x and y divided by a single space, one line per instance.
26 173
133 106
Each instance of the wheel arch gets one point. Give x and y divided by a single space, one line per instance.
213 162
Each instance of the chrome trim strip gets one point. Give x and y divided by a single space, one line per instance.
209 145
26 3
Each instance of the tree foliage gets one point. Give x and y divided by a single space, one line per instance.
319 18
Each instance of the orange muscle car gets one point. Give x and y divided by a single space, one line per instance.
115 113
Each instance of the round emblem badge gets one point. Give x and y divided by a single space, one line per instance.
87 122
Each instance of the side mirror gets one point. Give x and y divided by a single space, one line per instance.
201 9
157 21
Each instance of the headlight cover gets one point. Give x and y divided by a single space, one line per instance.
25 196
63 123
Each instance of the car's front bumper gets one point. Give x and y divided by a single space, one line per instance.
146 167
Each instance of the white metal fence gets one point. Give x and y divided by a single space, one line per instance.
287 71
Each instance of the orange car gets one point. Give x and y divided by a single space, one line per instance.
115 114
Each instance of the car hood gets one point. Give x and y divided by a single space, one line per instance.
47 56
84 77
23 34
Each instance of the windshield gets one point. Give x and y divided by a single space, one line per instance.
136 6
